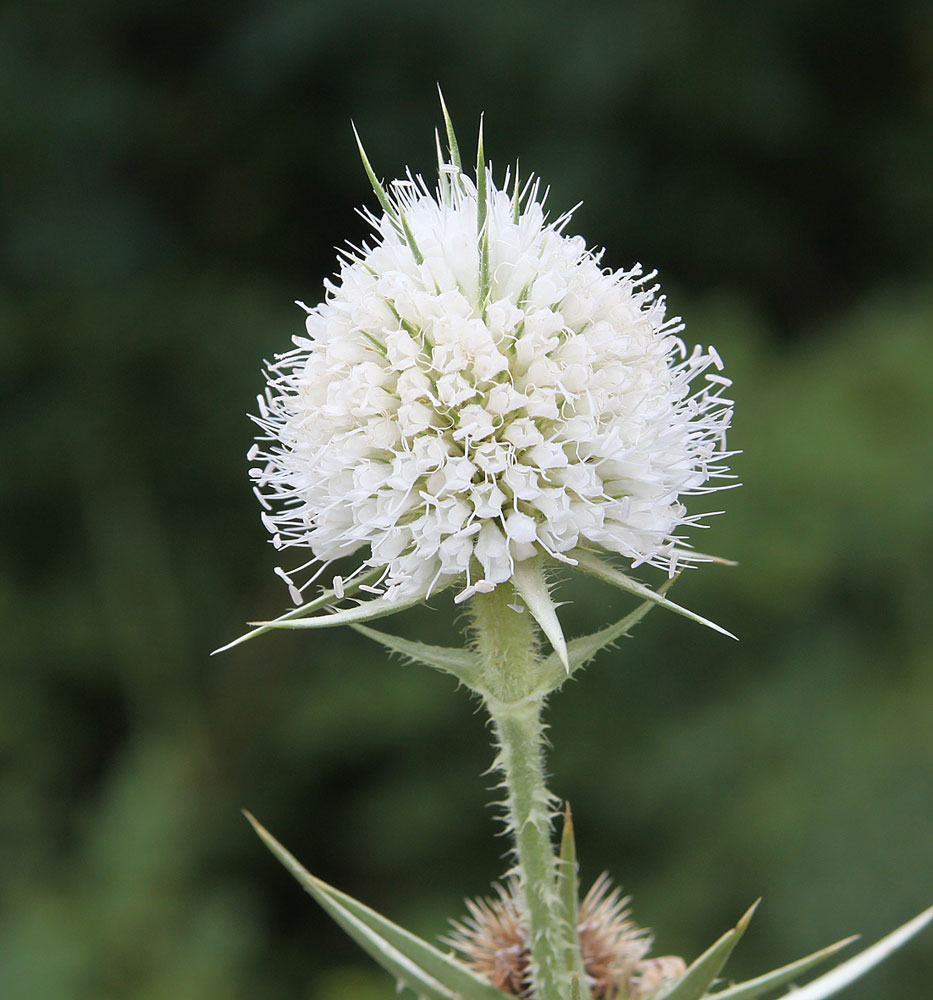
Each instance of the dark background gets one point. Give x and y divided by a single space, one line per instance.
172 176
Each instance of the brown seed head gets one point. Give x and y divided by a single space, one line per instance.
492 941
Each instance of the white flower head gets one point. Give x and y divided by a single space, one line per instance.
475 390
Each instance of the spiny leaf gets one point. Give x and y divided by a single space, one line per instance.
376 607
567 887
407 957
328 597
567 878
843 975
451 136
530 585
459 662
752 988
582 649
594 566
698 978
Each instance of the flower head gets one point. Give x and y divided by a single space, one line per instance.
477 389
493 941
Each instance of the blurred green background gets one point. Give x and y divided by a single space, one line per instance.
172 176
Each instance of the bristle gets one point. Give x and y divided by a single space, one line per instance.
492 940
611 943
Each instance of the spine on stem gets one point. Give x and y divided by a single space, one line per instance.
507 645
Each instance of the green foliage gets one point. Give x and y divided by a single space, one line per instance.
414 963
532 588
461 663
701 973
584 648
174 175
431 974
568 886
787 975
603 570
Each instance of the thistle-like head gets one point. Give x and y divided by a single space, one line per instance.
477 390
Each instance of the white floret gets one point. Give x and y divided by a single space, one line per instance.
445 437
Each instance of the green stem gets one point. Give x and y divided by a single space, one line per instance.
514 694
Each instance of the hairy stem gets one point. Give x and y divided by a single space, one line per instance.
507 645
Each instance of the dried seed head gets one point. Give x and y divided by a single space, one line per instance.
651 974
492 941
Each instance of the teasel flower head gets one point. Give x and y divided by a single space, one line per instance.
476 390
492 941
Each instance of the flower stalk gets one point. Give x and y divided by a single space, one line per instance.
475 399
514 693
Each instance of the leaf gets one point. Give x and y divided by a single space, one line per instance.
592 564
530 585
698 978
581 650
752 988
328 597
567 878
567 888
843 975
377 607
459 662
420 965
